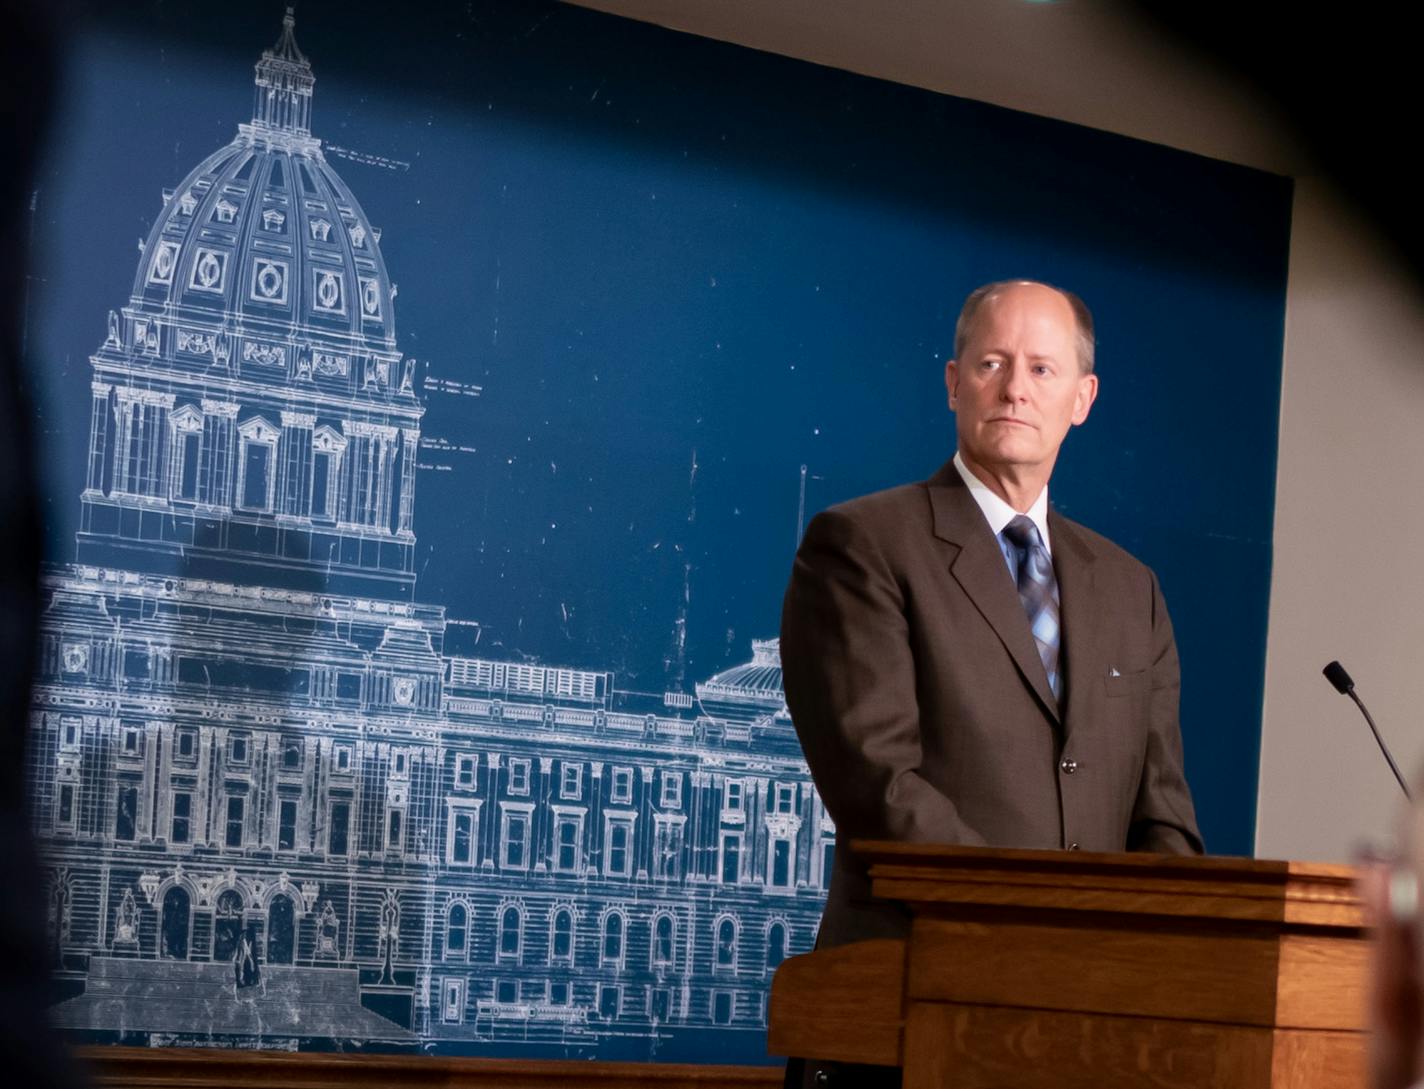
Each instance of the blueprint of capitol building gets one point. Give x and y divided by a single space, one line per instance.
273 810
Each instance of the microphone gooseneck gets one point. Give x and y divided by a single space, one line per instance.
1336 675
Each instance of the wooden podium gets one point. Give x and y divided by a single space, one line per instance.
1058 970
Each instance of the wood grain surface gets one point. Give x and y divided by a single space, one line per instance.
965 1047
843 1004
1190 975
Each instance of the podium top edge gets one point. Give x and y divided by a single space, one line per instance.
873 852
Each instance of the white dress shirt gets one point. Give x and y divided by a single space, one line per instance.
999 514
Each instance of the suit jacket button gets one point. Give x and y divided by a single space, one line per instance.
1072 846
822 1077
1069 766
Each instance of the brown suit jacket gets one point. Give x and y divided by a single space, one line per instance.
924 709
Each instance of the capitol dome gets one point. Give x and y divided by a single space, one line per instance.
253 419
263 235
751 686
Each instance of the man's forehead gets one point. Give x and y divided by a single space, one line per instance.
1046 309
1029 291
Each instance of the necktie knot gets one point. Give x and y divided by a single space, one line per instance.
1022 533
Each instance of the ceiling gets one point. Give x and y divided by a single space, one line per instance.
1094 64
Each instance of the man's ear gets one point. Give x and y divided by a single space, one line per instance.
1087 394
951 383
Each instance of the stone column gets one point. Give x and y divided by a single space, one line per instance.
98 435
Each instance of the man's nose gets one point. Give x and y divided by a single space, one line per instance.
1014 383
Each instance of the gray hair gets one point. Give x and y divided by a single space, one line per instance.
980 295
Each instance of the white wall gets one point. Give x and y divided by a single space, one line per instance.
1349 526
1352 405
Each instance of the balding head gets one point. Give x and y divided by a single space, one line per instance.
1082 317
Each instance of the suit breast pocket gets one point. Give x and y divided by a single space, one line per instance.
1121 685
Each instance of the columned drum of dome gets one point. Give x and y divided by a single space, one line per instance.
253 418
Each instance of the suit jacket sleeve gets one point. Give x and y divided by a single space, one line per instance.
849 677
1163 819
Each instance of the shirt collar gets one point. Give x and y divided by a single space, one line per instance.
997 512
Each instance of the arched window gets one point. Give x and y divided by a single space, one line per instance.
175 928
281 930
775 945
664 935
456 927
613 938
511 926
227 925
561 936
726 943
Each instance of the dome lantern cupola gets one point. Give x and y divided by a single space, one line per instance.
283 95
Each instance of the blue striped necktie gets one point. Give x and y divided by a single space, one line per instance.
1038 590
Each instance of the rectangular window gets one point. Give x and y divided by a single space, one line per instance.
784 798
518 776
235 806
292 755
66 804
187 744
394 829
781 864
506 991
462 838
828 861
181 829
559 993
608 999
732 796
731 867
667 849
465 772
662 1004
452 1005
126 819
568 846
621 792
130 740
400 763
286 824
343 757
187 482
721 1007
514 840
322 492
256 464
237 749
671 797
570 781
339 828
618 846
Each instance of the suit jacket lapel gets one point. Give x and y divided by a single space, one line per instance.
979 568
1079 615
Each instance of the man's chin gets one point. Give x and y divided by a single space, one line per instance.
1011 455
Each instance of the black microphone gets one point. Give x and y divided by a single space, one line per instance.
1336 675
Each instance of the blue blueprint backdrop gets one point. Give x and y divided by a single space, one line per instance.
678 272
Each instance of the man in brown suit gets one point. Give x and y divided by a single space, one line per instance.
963 665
